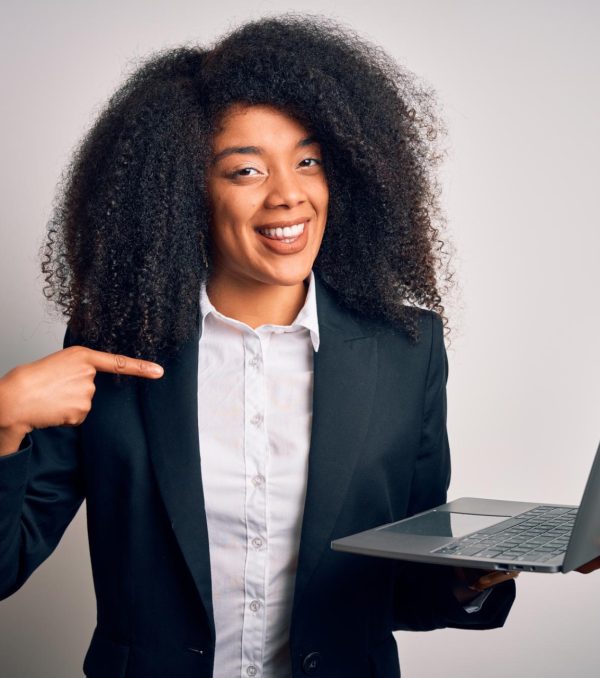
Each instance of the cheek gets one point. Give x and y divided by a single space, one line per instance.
322 200
236 208
322 192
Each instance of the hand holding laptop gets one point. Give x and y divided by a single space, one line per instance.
493 536
470 582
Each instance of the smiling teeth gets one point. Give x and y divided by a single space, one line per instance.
281 233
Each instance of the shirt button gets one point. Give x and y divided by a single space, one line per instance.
251 670
257 419
255 362
257 542
258 480
255 605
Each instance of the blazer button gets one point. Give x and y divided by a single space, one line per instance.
310 663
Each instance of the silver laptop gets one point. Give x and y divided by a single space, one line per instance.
492 534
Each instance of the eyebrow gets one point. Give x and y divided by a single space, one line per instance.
256 150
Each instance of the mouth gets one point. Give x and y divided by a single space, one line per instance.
284 231
285 238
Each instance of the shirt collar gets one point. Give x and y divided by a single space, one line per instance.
306 318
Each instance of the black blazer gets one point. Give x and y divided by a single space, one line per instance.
378 453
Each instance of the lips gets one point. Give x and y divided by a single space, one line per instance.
283 234
283 224
280 247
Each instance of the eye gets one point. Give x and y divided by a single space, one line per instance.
242 172
311 160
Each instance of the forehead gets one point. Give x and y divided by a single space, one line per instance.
256 121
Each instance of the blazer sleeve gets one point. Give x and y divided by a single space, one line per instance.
423 599
41 489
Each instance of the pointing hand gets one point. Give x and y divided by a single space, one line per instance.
57 390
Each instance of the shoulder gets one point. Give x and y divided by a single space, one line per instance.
402 359
429 325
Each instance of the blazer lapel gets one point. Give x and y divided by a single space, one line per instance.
345 374
170 407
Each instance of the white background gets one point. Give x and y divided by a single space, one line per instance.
518 82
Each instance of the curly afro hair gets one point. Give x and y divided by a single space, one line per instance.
127 246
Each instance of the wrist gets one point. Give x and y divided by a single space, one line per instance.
470 583
463 593
10 426
10 440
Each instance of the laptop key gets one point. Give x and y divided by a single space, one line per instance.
469 551
538 540
537 555
500 526
492 553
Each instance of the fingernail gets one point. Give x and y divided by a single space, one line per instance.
156 369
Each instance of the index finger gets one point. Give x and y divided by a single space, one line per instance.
121 364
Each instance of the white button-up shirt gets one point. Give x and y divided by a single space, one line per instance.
255 391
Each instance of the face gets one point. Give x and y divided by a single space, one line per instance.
266 173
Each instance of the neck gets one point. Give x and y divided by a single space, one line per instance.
256 303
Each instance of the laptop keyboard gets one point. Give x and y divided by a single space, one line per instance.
537 535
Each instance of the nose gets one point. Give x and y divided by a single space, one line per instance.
285 189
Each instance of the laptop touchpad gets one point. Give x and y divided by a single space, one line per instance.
444 524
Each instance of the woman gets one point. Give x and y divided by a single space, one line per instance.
251 228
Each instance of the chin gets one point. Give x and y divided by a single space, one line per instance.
288 279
